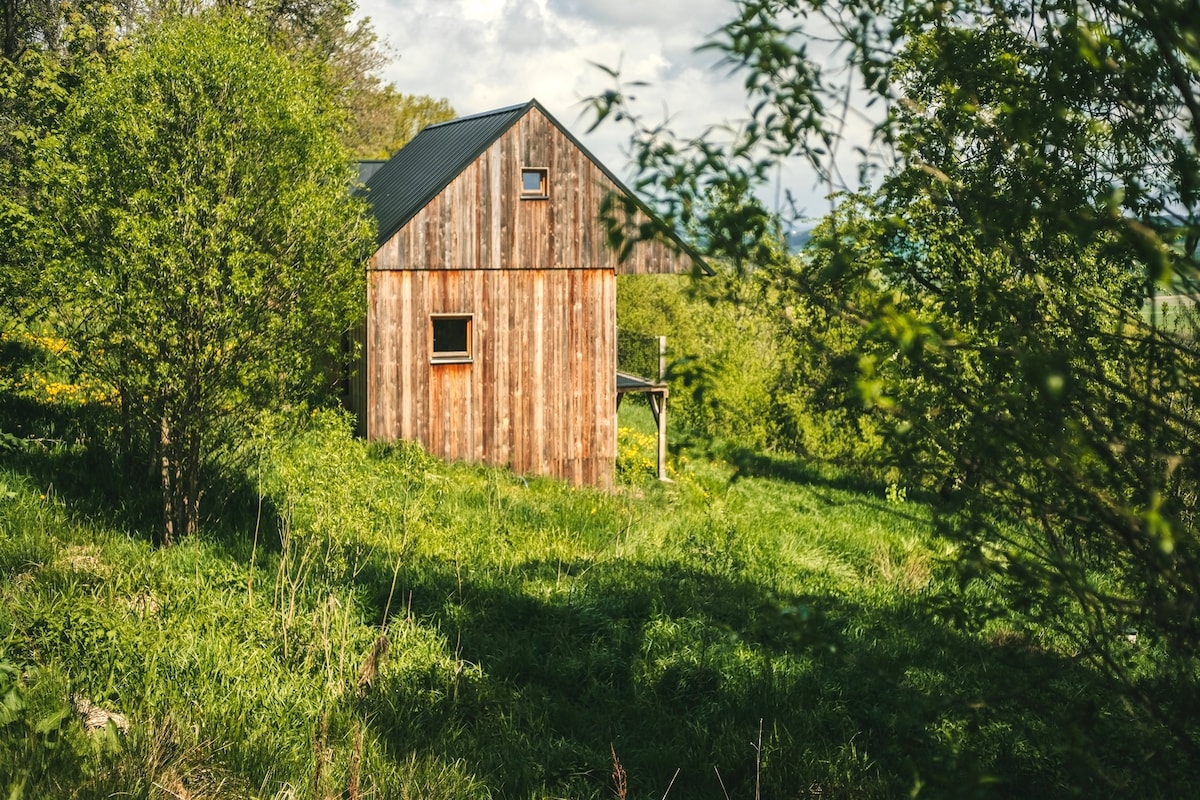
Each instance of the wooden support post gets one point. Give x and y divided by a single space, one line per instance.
661 416
658 406
662 436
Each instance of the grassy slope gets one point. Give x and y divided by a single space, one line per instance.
402 628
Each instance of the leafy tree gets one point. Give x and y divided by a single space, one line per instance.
46 48
1040 183
208 248
27 95
387 119
26 20
722 357
382 118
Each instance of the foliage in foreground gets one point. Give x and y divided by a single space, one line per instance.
983 296
152 191
207 255
45 42
382 624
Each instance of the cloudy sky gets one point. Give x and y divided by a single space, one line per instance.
485 54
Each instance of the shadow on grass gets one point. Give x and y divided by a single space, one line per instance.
750 463
744 692
823 479
72 451
680 666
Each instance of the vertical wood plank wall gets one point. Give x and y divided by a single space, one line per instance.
540 282
540 394
479 221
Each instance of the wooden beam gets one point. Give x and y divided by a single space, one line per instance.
658 406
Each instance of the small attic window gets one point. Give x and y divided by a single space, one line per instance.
451 335
533 183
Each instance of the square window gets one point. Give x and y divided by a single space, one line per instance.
451 336
533 183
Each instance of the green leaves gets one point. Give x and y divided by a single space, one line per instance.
1041 180
209 261
12 703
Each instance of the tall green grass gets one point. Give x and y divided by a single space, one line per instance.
380 624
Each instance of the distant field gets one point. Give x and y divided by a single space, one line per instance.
1172 308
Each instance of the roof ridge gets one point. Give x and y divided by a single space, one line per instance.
482 114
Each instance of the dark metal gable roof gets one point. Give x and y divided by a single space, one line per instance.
426 165
368 167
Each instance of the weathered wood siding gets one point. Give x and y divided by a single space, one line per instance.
540 393
479 220
539 279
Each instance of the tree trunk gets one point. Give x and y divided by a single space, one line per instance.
190 483
10 30
167 534
179 474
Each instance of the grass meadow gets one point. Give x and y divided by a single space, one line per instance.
367 622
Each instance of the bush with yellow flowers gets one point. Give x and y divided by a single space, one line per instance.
637 456
39 370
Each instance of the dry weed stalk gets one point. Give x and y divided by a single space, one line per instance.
356 763
370 667
620 780
96 718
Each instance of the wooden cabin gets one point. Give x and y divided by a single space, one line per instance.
491 330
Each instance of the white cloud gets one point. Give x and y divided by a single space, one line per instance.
523 27
665 14
484 54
